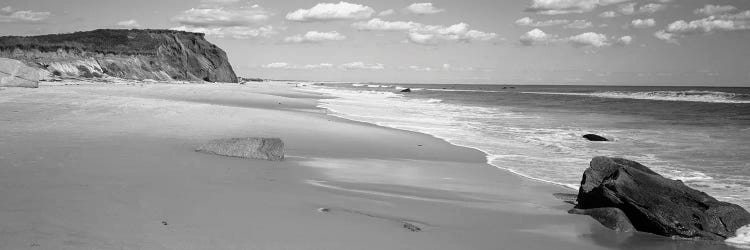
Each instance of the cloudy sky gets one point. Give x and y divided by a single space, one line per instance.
653 42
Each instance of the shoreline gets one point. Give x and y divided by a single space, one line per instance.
486 154
87 136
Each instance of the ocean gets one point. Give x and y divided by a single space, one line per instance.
695 134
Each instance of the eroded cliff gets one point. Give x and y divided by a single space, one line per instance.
132 54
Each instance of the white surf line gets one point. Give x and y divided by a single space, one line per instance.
470 90
410 197
488 156
741 238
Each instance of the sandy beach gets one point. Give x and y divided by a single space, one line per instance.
113 166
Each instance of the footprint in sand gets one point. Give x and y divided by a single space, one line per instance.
406 224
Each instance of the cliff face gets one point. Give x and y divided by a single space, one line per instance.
131 54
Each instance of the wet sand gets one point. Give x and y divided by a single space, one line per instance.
114 167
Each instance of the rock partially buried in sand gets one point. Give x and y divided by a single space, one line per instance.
14 73
593 137
271 149
656 204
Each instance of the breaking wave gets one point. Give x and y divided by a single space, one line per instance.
684 96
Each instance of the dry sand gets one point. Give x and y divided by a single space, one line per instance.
113 167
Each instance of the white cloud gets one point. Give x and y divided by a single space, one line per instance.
423 8
283 65
9 15
419 68
318 66
448 67
220 1
710 9
475 35
608 14
379 25
745 15
129 24
387 12
427 34
237 32
361 66
219 17
583 40
579 24
626 9
237 23
424 39
625 40
664 36
331 11
434 34
534 36
651 8
554 7
315 37
630 9
277 65
643 23
527 21
217 3
589 39
706 25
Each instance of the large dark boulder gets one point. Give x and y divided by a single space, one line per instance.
656 204
611 217
406 90
593 137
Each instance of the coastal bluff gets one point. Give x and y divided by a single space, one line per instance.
162 55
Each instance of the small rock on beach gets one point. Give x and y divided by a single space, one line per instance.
271 149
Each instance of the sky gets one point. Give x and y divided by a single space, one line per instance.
604 42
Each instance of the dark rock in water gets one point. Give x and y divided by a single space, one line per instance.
406 90
271 149
568 198
593 137
131 54
656 204
611 217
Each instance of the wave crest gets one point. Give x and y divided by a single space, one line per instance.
684 96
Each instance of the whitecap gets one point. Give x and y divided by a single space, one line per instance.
684 96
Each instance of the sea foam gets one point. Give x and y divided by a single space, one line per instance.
684 96
741 238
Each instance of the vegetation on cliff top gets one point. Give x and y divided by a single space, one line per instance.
117 41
